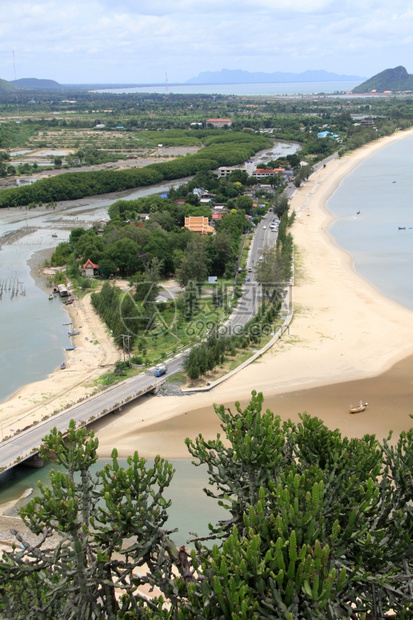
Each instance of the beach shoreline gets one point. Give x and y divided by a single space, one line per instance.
347 342
331 343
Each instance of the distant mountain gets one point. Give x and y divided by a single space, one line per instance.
5 87
35 84
388 80
29 84
235 76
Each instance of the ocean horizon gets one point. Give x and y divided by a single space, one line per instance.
243 89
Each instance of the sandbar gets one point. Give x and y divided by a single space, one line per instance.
347 342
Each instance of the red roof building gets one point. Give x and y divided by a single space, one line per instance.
220 122
89 269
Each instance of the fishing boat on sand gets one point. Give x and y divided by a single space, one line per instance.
62 366
358 408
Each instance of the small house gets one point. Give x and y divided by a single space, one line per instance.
89 269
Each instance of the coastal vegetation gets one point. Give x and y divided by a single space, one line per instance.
219 150
319 526
97 129
146 242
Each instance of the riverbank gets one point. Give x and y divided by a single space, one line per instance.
347 342
94 355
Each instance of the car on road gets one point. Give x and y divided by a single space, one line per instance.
249 269
160 370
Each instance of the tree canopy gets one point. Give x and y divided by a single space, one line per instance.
319 526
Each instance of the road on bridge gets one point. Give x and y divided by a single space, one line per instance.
26 443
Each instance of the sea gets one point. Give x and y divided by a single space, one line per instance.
281 89
374 210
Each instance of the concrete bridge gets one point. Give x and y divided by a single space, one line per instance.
24 446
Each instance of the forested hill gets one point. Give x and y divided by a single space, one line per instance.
394 80
36 84
5 86
30 84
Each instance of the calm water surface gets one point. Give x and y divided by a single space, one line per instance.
278 89
381 189
191 509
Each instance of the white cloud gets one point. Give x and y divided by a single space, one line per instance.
132 40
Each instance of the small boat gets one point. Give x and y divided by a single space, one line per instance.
358 408
54 235
70 348
73 333
62 366
402 227
51 296
67 323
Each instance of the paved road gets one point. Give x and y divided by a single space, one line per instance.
27 442
22 444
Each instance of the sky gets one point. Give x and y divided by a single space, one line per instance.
159 41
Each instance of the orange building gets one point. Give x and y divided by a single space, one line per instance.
199 223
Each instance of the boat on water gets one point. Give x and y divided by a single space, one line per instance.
73 333
70 348
51 296
358 408
402 227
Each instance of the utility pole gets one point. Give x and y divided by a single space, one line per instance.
15 82
127 336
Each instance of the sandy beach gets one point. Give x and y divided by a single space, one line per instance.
347 342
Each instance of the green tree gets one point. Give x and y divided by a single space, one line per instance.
99 546
270 272
319 526
194 265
